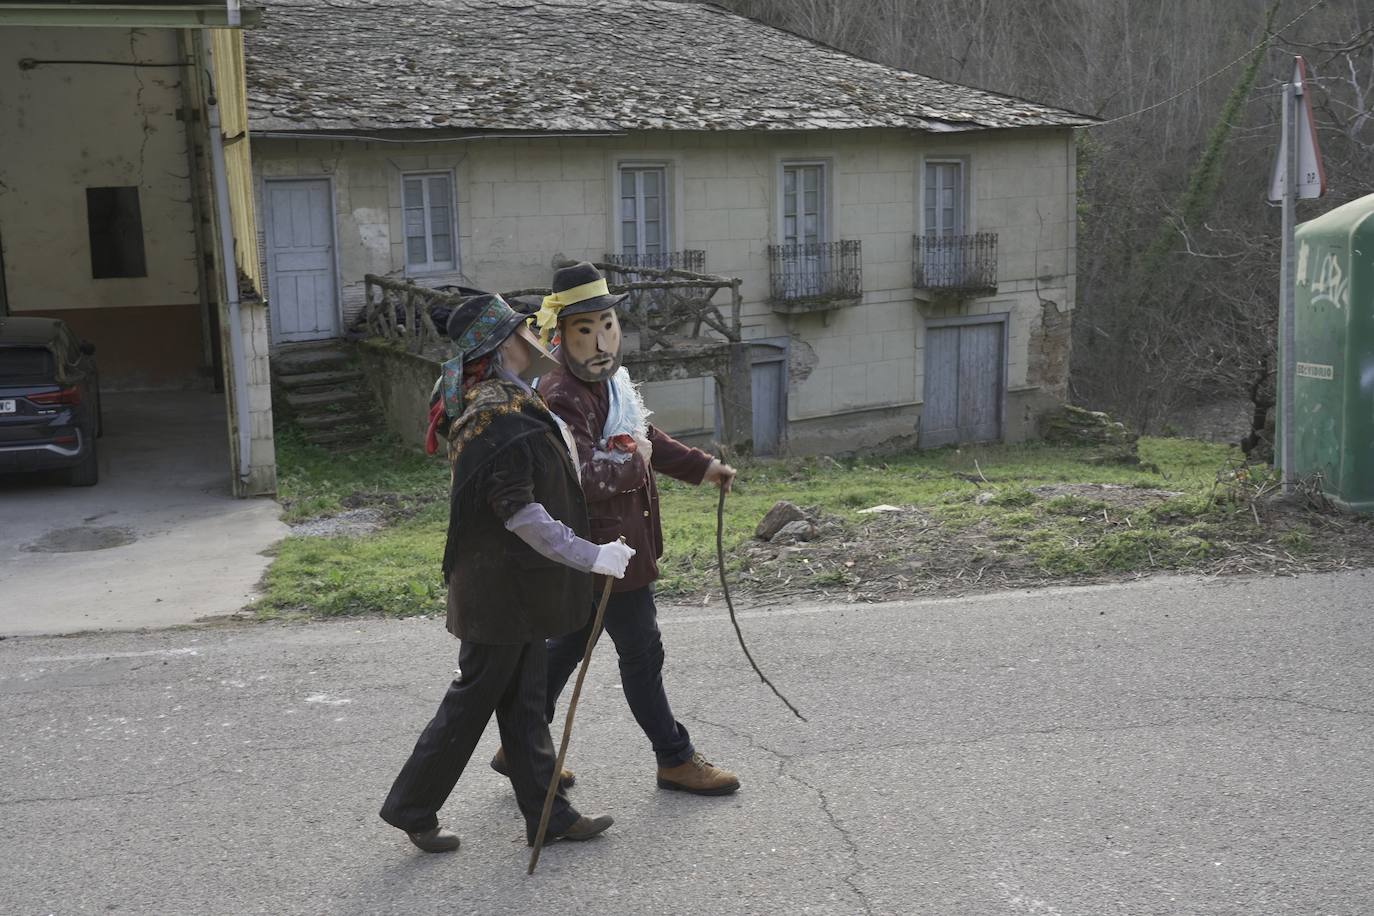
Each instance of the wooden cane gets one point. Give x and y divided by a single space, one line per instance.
568 724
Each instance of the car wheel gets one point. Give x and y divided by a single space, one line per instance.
87 473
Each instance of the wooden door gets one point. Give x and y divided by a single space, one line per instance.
300 260
964 383
769 403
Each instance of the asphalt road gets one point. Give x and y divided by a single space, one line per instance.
1168 747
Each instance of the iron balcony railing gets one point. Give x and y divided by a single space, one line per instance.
955 263
815 273
692 259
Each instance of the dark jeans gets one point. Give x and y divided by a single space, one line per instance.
507 680
632 623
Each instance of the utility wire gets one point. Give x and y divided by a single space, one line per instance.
1211 76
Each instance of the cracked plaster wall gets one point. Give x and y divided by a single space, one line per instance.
522 203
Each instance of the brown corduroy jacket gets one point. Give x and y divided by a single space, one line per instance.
622 500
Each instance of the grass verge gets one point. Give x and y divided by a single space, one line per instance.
971 518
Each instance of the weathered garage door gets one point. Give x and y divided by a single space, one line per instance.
300 260
769 382
964 383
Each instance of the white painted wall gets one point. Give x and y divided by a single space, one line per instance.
522 203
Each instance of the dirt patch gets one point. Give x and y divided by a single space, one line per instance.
1061 534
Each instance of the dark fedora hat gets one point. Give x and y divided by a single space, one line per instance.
481 324
583 289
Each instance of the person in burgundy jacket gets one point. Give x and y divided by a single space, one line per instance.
619 452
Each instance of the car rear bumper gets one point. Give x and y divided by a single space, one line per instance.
42 456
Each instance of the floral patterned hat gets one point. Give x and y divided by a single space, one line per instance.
481 324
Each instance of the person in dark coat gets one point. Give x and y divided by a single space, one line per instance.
620 451
519 570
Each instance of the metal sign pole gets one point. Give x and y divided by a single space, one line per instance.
1287 320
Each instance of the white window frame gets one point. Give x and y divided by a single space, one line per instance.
431 266
965 226
667 205
823 197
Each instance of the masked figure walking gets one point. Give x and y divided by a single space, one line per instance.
519 568
619 452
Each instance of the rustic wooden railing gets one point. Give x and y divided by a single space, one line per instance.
397 310
685 298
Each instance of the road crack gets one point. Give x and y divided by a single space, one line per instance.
783 761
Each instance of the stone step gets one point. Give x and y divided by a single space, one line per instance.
324 399
326 379
336 437
313 358
330 419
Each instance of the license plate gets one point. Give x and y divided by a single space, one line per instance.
7 406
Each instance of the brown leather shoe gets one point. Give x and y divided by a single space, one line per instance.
584 828
436 840
698 776
498 763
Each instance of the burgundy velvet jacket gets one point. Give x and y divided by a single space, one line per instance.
622 500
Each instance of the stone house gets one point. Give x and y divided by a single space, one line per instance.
906 245
126 204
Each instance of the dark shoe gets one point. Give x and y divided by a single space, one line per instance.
584 828
498 763
436 840
698 776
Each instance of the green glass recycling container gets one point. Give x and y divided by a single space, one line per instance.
1333 401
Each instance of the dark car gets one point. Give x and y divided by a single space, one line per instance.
49 400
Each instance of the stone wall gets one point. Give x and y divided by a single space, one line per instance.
401 382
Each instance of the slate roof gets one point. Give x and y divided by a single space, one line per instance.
583 65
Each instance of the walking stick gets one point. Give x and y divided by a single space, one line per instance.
725 591
568 724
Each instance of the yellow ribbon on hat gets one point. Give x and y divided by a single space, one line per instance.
547 316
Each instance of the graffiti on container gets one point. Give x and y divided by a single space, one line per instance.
1331 284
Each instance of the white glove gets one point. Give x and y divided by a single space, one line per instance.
612 558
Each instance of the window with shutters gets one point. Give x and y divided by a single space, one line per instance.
428 222
644 210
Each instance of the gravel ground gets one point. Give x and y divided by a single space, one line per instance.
353 523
